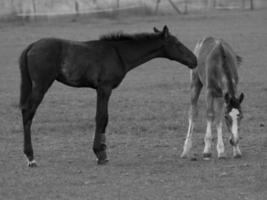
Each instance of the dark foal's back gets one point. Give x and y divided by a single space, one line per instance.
77 64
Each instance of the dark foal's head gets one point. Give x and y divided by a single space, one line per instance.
233 116
175 50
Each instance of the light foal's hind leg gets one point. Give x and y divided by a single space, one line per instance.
210 119
219 108
196 87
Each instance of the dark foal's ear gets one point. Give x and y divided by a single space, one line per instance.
241 98
156 30
227 98
165 31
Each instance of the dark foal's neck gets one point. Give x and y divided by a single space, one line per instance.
135 53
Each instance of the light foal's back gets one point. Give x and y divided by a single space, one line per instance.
217 72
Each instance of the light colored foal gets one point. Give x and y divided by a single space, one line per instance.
217 72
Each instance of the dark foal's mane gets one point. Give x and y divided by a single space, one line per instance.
120 36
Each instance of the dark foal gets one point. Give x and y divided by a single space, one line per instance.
100 64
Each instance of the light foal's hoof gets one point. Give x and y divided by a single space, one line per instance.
222 156
184 156
238 156
206 156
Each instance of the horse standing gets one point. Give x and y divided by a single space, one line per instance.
100 64
217 72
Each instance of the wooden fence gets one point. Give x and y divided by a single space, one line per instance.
63 7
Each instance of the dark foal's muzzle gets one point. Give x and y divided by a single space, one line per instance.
191 61
193 64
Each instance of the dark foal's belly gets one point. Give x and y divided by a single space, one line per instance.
77 76
81 82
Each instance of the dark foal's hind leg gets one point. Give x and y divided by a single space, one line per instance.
99 147
28 112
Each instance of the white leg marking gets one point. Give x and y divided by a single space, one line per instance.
234 129
32 163
236 152
188 140
220 145
208 139
234 112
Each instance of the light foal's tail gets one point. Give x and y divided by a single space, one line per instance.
227 62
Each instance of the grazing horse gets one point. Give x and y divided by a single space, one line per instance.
99 64
217 72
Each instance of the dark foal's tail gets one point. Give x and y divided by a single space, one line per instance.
26 83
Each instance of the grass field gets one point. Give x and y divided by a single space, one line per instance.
148 120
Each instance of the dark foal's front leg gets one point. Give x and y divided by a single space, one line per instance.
99 147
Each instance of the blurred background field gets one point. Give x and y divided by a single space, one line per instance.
148 114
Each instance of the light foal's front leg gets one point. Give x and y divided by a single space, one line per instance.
234 129
219 103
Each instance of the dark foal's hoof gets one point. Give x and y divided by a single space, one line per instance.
206 156
102 162
102 157
32 164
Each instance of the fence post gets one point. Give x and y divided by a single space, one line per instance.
175 7
186 7
157 6
118 4
251 5
214 3
34 6
243 4
77 8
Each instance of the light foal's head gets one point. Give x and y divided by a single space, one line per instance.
233 116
